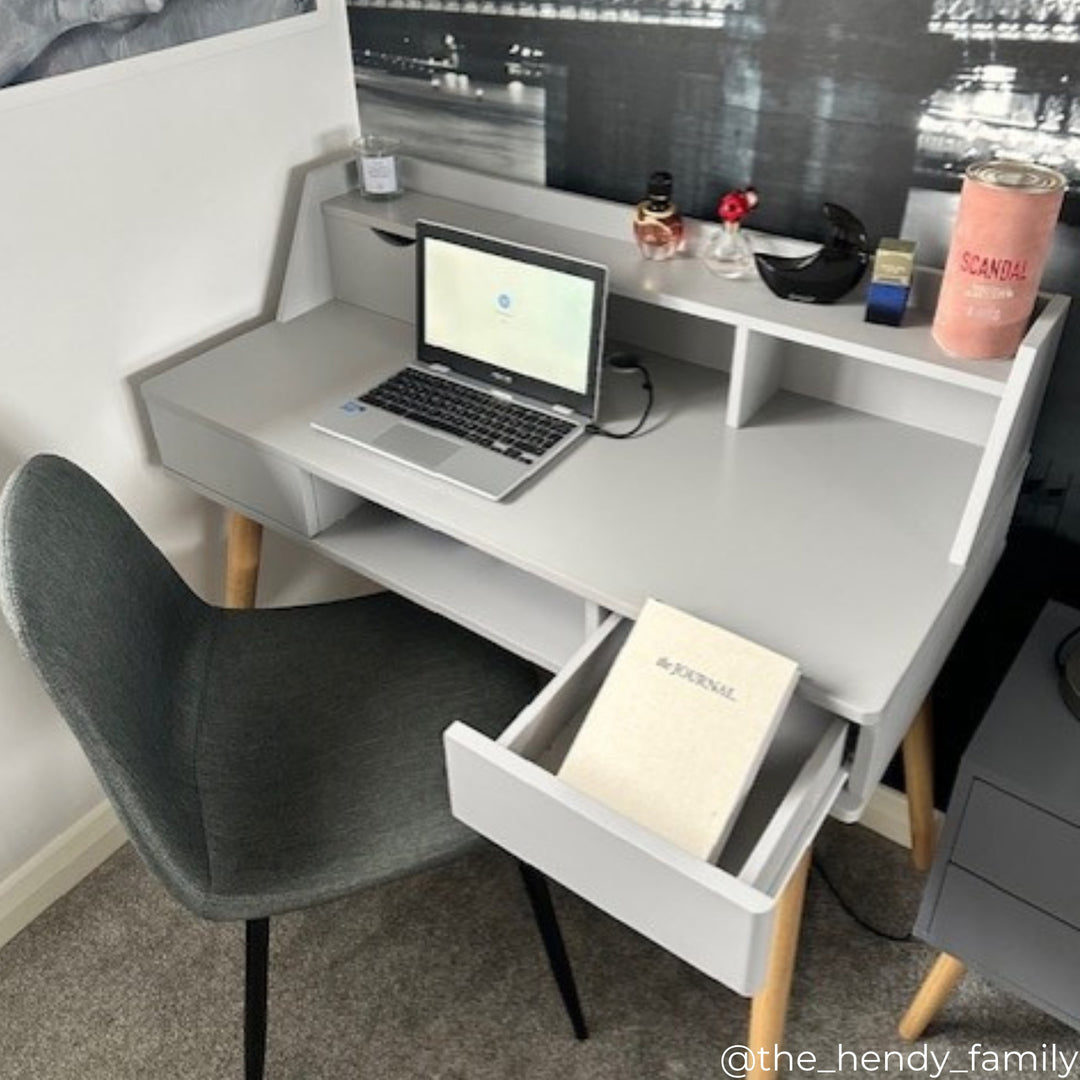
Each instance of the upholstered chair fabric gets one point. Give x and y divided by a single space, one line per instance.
261 760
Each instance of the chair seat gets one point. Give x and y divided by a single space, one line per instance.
320 764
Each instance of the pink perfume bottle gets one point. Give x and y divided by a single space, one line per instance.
728 254
658 225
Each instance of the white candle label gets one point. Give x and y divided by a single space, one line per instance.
380 175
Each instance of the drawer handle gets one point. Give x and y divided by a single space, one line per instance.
394 239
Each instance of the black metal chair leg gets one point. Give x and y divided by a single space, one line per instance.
257 956
544 912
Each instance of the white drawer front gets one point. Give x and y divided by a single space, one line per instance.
717 918
370 270
266 486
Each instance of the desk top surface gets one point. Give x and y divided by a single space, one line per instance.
819 531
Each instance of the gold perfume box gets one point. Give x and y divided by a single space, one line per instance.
890 283
894 263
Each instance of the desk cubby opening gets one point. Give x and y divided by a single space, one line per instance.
960 406
640 325
716 917
519 611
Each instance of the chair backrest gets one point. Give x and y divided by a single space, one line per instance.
119 641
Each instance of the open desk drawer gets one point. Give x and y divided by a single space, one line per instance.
717 918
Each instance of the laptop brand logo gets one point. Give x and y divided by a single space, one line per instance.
501 376
504 302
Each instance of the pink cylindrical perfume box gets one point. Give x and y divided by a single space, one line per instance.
1008 210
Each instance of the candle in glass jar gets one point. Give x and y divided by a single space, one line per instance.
376 159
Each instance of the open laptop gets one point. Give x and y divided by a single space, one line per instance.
507 369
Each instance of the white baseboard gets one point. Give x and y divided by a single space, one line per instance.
887 814
58 868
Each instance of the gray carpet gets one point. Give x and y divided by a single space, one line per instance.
441 977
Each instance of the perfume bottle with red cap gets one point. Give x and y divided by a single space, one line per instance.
658 225
729 254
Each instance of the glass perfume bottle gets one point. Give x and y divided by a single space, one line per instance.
658 225
729 254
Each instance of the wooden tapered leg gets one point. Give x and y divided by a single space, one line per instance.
919 783
768 1010
939 983
242 561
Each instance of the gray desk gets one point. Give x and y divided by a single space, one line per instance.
834 490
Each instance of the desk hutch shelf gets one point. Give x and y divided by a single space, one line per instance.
766 344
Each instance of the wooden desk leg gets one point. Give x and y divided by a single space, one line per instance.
768 1010
939 983
919 782
244 546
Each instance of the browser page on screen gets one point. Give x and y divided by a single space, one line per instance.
527 319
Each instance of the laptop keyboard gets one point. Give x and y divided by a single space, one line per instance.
509 429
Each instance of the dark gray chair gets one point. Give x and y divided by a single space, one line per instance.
264 760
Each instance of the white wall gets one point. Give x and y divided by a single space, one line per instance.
142 211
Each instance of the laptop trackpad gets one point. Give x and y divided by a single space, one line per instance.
416 446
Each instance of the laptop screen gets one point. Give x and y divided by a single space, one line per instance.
525 320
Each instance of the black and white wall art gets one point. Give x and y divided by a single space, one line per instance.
853 100
876 104
39 38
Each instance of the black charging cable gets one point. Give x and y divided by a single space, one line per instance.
1064 656
624 362
1063 652
852 914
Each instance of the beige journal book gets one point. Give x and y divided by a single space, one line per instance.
680 727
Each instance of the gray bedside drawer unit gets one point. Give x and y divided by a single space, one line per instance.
1004 892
